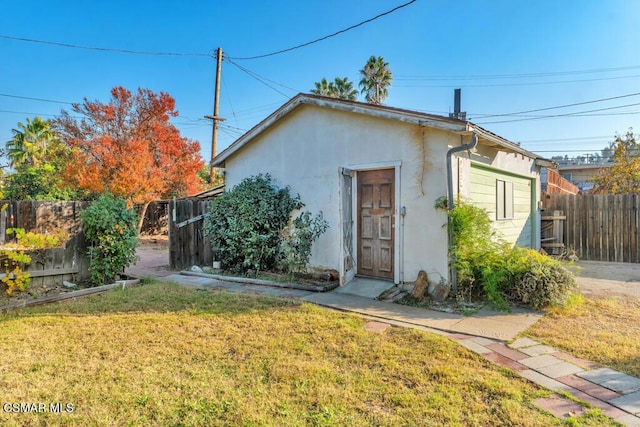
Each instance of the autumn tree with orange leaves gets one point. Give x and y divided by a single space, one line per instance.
129 148
623 176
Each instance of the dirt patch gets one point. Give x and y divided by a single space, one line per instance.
153 258
606 279
156 241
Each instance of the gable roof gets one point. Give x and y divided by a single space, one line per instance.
379 111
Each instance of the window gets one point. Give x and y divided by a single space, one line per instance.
567 176
504 199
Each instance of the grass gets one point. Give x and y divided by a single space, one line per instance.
161 354
603 330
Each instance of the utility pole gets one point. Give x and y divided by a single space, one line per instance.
215 117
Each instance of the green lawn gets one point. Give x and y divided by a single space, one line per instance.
161 354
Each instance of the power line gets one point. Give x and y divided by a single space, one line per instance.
259 78
577 113
484 116
253 73
233 112
24 112
327 36
586 150
458 85
34 99
103 49
515 76
580 138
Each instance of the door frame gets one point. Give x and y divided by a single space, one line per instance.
355 168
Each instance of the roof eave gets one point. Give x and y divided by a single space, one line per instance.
389 113
504 143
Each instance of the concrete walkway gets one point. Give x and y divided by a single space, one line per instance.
485 323
486 333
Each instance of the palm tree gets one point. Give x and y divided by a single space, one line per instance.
30 142
338 88
376 77
323 88
344 89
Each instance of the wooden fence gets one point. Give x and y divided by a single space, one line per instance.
40 217
187 244
600 227
48 267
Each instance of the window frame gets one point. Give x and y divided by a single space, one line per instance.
504 200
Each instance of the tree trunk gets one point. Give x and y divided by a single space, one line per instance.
143 212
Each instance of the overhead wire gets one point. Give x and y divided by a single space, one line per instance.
578 113
458 85
258 78
515 76
327 36
233 113
484 116
104 49
34 99
568 139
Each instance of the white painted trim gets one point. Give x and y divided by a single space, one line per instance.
396 254
341 273
375 166
396 165
346 276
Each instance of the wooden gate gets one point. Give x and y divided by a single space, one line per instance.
187 244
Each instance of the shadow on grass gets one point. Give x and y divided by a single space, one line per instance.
157 297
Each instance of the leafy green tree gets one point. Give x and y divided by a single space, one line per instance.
37 156
39 183
375 78
338 88
624 174
32 142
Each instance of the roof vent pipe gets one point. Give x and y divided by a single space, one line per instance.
452 260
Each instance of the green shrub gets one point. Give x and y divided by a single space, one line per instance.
110 230
31 240
244 224
543 282
488 267
297 240
14 277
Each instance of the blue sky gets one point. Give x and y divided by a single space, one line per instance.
507 56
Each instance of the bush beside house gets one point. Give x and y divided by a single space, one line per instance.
251 228
487 267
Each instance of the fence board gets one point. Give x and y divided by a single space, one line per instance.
600 227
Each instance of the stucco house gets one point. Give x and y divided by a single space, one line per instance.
376 173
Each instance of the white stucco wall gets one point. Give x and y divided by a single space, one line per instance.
305 151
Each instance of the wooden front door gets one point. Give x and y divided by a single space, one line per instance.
376 223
